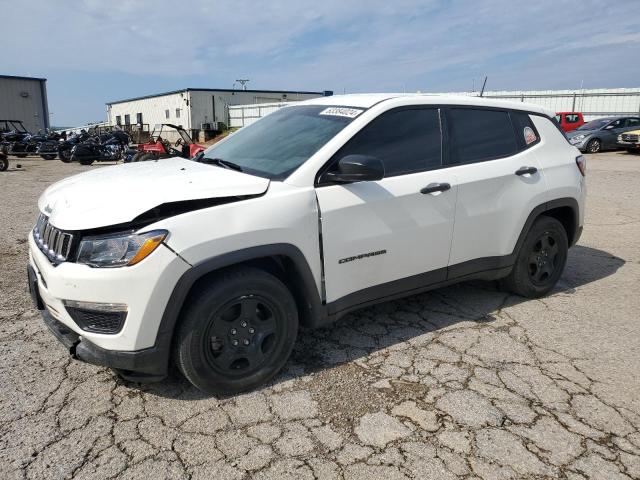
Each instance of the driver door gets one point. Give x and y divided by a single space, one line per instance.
389 236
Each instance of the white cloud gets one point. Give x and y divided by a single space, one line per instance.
373 44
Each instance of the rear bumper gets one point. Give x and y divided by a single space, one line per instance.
148 365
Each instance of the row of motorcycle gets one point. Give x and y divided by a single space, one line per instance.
84 147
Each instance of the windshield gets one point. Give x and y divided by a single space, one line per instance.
594 125
279 143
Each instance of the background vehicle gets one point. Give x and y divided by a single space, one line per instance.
630 141
602 134
159 147
569 120
313 211
101 148
4 162
64 148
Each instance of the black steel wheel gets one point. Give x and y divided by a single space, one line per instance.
236 332
540 260
594 146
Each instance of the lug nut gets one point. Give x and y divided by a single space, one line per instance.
245 341
252 330
235 343
233 331
243 324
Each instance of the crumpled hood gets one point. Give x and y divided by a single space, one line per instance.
113 195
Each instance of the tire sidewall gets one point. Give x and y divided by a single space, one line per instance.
593 142
523 283
191 360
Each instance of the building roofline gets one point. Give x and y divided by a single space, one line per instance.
17 77
190 89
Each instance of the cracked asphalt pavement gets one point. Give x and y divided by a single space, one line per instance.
466 382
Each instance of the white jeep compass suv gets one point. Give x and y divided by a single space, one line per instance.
317 209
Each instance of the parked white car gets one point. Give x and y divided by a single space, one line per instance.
317 209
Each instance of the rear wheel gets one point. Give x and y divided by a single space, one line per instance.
236 332
633 150
4 163
21 155
541 259
48 157
594 146
86 161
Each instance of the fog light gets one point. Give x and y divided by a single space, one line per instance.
106 318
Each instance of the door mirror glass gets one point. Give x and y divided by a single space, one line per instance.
355 168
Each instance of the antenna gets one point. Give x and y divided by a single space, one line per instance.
483 85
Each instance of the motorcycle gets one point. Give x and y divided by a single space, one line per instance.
4 162
63 148
30 144
103 148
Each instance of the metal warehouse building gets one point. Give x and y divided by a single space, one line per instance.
195 109
25 99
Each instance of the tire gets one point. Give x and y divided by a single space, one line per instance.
86 161
136 157
21 155
240 305
48 156
4 163
541 259
633 150
65 156
147 156
594 146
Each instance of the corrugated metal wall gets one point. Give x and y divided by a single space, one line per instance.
243 115
592 103
24 99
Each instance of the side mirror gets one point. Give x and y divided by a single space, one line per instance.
609 127
355 168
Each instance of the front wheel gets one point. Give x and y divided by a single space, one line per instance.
86 161
65 155
541 259
146 157
48 156
4 163
236 332
594 146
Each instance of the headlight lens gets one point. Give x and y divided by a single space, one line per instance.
577 138
120 249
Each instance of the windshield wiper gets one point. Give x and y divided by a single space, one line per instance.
221 163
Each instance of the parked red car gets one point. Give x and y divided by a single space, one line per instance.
569 120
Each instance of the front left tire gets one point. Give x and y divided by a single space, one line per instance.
236 332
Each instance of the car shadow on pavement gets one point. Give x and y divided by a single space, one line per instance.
363 332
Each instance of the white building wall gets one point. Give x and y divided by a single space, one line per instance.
154 110
196 106
243 115
24 99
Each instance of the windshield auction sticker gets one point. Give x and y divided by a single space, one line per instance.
341 112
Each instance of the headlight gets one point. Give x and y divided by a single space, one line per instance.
577 138
120 249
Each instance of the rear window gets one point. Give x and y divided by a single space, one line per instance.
477 135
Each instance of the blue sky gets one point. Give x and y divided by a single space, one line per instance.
94 51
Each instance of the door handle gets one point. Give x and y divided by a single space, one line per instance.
526 170
435 187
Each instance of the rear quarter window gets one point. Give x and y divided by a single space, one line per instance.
526 133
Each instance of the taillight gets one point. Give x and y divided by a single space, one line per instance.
581 162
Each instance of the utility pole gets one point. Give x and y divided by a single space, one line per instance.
242 81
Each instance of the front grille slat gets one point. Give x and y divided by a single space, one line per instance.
53 242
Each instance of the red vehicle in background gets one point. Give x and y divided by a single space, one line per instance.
159 147
569 120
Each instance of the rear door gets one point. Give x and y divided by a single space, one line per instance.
499 183
386 233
